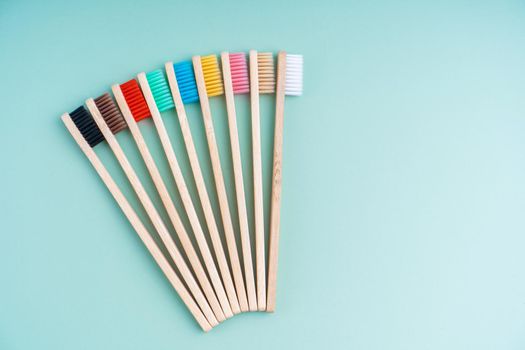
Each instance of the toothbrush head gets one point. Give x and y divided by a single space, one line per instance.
186 81
110 112
160 90
212 75
87 126
239 73
135 100
266 67
294 75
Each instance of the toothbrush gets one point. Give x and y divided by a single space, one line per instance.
208 79
262 80
87 135
150 209
158 97
289 82
236 81
184 90
138 104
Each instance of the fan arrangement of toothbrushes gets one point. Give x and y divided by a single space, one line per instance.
215 281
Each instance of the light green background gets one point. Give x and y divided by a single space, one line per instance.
403 221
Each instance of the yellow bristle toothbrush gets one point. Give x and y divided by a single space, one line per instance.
157 96
183 88
289 82
87 134
209 84
134 94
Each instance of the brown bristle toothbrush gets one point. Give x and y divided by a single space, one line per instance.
87 135
209 84
289 82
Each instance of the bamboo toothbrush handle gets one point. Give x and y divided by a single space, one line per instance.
275 212
137 224
239 183
257 182
164 195
203 194
152 213
218 176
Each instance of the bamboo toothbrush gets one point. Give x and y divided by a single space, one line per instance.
184 90
158 98
152 211
289 82
87 135
262 80
236 81
106 105
209 83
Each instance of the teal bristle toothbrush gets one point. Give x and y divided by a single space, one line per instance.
183 88
289 82
209 84
87 135
236 81
136 100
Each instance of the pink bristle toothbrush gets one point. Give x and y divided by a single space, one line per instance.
236 81
183 88
209 83
86 133
289 82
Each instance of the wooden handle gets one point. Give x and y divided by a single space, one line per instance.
219 180
275 211
258 199
185 197
239 183
203 192
152 212
166 199
137 224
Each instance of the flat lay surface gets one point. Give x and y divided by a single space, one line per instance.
403 176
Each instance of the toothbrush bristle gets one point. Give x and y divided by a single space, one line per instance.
110 112
160 90
294 75
87 126
135 100
186 81
239 73
212 75
266 68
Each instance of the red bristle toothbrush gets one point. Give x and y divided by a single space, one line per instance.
156 82
152 212
84 131
289 82
236 81
183 88
209 83
135 96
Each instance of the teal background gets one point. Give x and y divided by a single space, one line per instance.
404 174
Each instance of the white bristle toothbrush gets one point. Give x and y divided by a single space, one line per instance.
173 215
289 82
209 83
85 128
163 99
236 81
184 90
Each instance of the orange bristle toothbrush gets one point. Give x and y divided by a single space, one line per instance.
86 133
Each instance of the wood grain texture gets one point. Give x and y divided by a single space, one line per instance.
185 196
203 195
219 178
185 240
239 183
258 199
275 211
